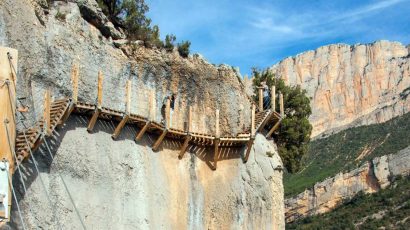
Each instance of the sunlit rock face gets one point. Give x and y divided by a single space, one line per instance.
351 85
124 185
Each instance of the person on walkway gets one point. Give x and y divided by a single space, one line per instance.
266 95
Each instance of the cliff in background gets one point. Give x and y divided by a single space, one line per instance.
121 184
368 178
351 85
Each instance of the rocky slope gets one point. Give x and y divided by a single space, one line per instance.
369 178
351 85
119 184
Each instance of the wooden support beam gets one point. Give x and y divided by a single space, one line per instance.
128 97
93 120
273 129
160 139
260 89
143 130
253 130
248 149
100 89
282 109
120 126
74 80
273 98
216 152
184 146
47 115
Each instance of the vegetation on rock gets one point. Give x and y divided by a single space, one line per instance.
347 150
294 132
183 48
130 15
387 209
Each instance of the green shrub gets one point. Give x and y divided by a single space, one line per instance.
183 48
169 42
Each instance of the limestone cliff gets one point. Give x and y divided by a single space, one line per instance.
328 194
121 184
48 46
351 85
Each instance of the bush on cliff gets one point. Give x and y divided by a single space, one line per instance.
294 132
130 15
183 48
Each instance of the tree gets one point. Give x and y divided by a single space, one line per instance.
183 48
112 9
294 132
136 23
169 42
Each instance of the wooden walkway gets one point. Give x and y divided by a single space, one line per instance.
57 112
61 109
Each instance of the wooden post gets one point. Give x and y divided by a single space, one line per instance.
273 98
74 99
253 132
188 137
282 109
47 115
128 97
260 98
99 103
74 80
100 89
217 139
167 113
152 106
8 80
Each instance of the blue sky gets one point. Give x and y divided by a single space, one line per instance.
250 33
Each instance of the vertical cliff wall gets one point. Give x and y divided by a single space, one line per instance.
122 185
351 85
48 46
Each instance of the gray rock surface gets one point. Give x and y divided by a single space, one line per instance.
124 185
47 52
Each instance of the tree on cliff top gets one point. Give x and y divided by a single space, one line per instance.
294 132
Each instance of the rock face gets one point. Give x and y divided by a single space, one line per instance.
351 85
47 52
122 185
328 194
119 184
